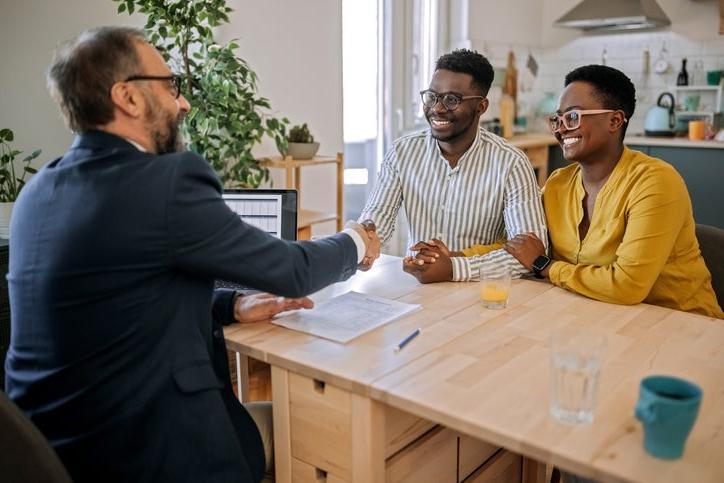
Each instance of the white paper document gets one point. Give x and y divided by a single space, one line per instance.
346 316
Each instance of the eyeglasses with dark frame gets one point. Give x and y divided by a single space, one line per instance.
174 80
450 100
572 119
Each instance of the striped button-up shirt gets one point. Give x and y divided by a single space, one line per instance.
491 194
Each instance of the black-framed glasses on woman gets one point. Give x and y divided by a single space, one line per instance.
450 100
173 80
572 119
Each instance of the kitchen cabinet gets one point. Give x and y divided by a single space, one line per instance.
703 172
701 168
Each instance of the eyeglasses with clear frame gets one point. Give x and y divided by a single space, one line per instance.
174 81
450 100
572 119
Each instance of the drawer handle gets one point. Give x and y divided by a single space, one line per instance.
320 475
319 386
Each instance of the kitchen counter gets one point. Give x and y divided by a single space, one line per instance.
639 140
530 140
536 147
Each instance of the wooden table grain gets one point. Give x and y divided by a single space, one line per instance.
484 372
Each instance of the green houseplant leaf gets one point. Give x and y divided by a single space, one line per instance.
228 116
12 177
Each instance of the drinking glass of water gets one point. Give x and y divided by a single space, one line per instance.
575 366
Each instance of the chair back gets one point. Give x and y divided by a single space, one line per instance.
25 454
711 244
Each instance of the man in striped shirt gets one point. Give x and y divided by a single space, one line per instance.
459 184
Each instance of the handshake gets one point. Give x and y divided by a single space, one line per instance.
368 231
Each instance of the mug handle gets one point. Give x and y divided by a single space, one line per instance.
645 412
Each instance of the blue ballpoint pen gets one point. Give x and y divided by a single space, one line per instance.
407 340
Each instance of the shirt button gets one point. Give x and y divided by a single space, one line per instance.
218 333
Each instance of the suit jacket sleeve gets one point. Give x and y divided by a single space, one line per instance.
206 238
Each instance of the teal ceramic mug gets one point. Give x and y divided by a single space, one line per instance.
667 407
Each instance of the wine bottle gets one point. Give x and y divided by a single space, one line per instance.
683 78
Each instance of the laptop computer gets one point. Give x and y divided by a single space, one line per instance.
271 210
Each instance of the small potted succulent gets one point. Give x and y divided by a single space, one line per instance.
12 178
301 143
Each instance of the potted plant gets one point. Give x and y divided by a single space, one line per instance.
228 117
12 178
301 143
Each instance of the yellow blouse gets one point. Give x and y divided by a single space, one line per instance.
640 245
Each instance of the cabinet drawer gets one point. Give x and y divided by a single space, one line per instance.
504 467
402 429
305 473
320 425
473 453
432 458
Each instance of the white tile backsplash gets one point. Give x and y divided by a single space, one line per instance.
623 51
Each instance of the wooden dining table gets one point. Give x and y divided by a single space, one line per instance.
468 399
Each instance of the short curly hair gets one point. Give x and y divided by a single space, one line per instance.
613 89
469 62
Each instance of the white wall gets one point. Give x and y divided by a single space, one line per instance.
296 50
693 34
511 22
30 30
294 47
497 27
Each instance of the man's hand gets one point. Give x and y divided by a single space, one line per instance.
263 306
433 267
430 251
368 232
526 247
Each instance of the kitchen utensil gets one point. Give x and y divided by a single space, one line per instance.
660 118
713 77
661 65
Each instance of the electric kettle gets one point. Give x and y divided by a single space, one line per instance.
660 118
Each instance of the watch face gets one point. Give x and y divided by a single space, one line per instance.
541 262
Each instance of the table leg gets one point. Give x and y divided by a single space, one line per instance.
282 432
533 471
368 440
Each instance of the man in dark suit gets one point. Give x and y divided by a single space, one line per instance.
117 352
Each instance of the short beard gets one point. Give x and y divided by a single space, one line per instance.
452 136
165 130
170 141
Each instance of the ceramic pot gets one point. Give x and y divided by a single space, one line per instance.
302 150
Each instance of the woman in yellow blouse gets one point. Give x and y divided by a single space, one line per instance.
620 222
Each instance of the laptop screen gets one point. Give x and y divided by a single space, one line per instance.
271 210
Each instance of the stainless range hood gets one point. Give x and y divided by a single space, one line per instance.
614 15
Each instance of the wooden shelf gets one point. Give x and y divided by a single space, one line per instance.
310 217
289 162
293 179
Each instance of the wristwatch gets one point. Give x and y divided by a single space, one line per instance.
539 264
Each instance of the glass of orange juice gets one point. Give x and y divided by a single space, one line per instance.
494 287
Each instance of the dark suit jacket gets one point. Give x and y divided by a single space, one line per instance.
114 355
